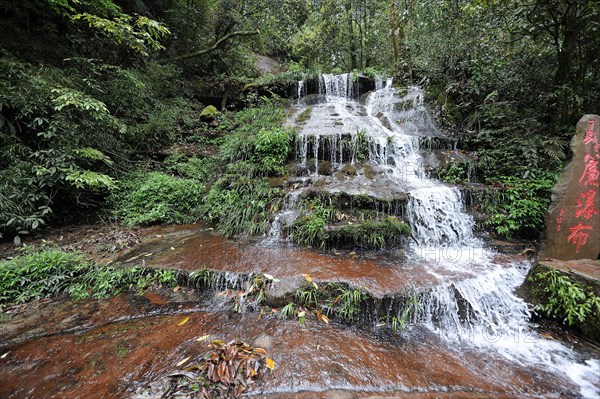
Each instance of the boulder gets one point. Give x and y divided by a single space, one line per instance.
573 219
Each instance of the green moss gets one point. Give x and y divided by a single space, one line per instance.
370 235
348 170
209 112
304 115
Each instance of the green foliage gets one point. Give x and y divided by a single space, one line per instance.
272 149
332 298
370 235
48 273
360 146
199 169
157 197
310 230
140 34
239 205
348 302
288 311
454 174
518 206
260 141
567 300
408 312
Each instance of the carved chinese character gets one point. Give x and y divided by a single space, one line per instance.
578 236
560 219
590 173
585 205
590 135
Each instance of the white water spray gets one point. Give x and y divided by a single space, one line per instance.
478 309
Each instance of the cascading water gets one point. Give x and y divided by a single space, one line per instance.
480 309
283 219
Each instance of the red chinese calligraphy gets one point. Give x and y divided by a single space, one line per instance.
585 205
560 219
590 135
578 236
590 173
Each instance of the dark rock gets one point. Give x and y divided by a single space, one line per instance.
296 169
573 220
281 292
323 167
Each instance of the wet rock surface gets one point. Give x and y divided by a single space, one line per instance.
192 247
129 346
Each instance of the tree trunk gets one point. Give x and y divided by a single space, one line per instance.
397 33
351 33
565 54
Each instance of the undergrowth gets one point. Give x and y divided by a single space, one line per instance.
517 206
156 197
48 273
567 300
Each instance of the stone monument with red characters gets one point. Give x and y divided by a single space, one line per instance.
573 220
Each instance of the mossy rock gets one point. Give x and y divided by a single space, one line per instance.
304 116
369 171
389 233
296 169
349 170
209 112
323 167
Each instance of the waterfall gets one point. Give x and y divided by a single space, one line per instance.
478 309
437 217
284 219
301 89
337 86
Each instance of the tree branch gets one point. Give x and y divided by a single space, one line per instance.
215 46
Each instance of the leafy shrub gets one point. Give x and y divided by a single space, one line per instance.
454 174
272 150
54 137
40 275
260 140
157 197
518 206
567 300
200 169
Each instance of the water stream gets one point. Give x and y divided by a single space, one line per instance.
468 334
481 309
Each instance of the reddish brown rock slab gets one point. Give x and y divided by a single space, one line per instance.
194 247
117 355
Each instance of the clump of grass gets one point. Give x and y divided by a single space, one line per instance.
48 273
370 235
